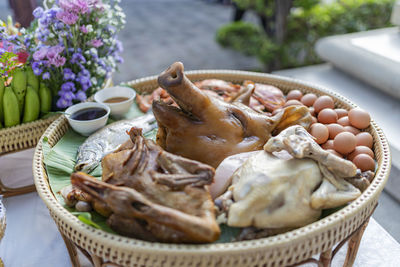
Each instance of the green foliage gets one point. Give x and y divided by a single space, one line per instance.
242 36
308 21
266 7
8 63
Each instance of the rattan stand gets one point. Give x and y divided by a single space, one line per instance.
19 138
324 260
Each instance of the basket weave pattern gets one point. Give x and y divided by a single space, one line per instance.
281 250
23 136
2 220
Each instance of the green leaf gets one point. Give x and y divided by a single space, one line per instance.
60 161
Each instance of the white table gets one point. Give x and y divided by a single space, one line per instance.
32 238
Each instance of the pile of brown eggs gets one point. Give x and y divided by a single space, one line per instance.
337 130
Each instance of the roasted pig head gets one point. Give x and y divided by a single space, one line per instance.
207 129
154 195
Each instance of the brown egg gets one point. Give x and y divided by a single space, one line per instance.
292 102
335 152
360 150
311 110
359 118
328 145
341 112
308 99
344 121
294 94
327 115
364 162
344 143
334 129
352 130
364 139
323 102
320 132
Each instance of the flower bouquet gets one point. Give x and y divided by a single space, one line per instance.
63 58
74 47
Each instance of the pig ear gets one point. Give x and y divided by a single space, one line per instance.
170 117
190 98
244 95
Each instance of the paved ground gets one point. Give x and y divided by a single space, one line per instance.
159 32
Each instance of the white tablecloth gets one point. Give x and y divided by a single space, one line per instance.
32 238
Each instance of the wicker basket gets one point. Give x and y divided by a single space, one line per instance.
2 220
23 136
281 250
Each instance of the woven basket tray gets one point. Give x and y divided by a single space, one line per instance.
2 220
23 136
281 250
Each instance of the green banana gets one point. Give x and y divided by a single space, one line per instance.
1 100
11 110
32 105
32 79
18 84
45 98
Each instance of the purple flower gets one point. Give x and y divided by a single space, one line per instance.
66 5
67 95
77 58
54 57
67 17
67 87
58 61
118 46
44 20
81 96
46 76
36 68
40 54
83 29
63 103
52 12
68 74
38 12
76 6
43 35
58 25
119 59
84 79
96 43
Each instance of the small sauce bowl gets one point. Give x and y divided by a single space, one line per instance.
88 126
121 107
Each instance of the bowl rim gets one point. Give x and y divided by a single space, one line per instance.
130 99
289 239
83 106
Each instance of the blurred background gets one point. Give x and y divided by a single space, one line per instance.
286 37
257 35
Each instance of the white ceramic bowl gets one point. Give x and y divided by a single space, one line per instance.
120 108
87 127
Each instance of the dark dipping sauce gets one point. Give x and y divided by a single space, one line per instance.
115 100
88 114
